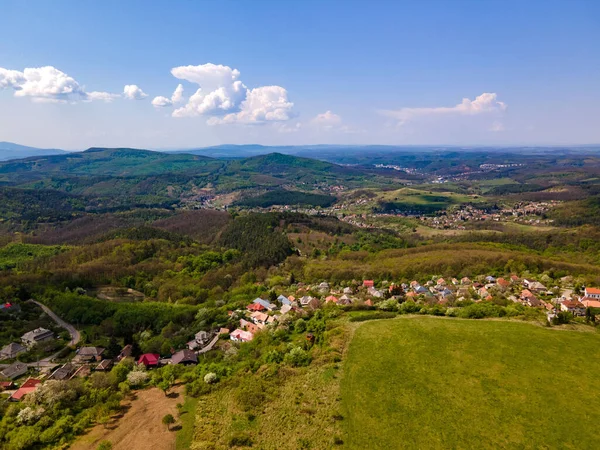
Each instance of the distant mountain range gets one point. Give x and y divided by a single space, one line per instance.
8 151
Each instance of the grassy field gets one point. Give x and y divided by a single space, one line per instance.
423 382
187 415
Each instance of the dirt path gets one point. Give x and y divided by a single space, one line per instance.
141 426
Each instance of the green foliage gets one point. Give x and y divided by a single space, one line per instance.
14 255
297 357
258 238
285 197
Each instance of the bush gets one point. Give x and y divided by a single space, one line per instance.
297 357
240 439
211 378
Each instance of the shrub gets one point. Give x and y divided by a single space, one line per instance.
240 439
211 378
373 316
297 357
137 378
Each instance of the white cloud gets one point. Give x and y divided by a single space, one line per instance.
42 84
48 84
225 99
133 92
103 96
161 102
178 94
484 103
177 97
327 120
262 104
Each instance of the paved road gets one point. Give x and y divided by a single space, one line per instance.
210 345
75 335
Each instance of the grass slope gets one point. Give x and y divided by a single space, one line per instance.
442 383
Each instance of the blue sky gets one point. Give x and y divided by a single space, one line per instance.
299 72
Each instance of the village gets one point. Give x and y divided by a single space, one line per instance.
266 313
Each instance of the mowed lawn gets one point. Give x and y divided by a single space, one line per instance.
426 382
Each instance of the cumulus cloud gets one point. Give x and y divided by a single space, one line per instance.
224 98
327 120
177 97
48 84
484 103
133 92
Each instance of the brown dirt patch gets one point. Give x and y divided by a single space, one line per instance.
140 428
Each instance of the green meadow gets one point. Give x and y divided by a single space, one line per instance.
425 382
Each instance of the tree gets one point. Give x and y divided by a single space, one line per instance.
104 445
168 420
164 386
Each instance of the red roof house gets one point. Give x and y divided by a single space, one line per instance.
149 359
368 283
30 385
255 307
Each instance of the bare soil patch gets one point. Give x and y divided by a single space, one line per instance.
140 427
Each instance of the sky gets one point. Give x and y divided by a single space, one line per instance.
185 74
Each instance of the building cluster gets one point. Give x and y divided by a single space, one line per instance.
528 213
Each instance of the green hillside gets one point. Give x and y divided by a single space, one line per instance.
422 382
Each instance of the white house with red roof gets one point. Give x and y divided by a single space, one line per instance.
592 293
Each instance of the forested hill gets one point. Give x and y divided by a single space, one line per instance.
109 162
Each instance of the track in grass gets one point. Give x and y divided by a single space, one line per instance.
424 382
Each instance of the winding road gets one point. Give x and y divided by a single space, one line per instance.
75 335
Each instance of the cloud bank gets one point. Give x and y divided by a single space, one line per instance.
48 84
484 103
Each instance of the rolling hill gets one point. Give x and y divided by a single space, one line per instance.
9 150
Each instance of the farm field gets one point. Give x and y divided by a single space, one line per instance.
423 382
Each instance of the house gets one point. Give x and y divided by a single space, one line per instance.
446 293
368 283
455 282
241 336
483 292
414 284
344 300
105 365
490 279
324 286
11 350
15 370
420 290
592 293
574 307
201 338
4 385
268 305
82 371
533 285
369 303
589 302
331 299
30 385
465 280
284 300
38 335
251 327
252 307
9 307
126 352
88 354
306 300
514 279
502 283
374 292
223 331
441 282
528 298
286 309
347 291
184 357
149 359
259 318
63 373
